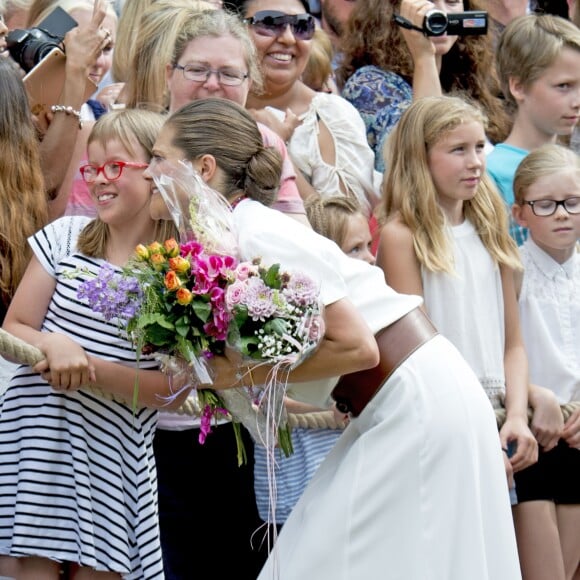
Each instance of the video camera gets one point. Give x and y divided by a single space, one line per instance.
438 23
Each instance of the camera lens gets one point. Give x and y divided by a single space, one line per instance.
29 47
435 23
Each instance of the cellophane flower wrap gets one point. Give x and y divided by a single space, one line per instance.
275 316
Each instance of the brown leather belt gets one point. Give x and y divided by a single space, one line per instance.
396 343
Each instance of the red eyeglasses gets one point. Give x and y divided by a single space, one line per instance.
111 170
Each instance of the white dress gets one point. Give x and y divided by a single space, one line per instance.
415 487
467 308
353 167
77 472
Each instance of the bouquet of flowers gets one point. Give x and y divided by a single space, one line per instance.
187 302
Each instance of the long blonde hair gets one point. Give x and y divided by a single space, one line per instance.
409 192
23 199
129 126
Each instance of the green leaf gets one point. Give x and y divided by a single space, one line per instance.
277 325
202 310
155 318
271 277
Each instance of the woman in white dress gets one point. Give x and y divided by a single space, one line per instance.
415 487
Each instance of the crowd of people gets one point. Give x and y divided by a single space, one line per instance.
429 184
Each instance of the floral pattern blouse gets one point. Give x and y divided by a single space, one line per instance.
381 98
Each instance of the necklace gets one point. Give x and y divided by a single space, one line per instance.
237 199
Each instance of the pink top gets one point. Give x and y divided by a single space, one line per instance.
289 200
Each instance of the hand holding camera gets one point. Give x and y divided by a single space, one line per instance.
435 22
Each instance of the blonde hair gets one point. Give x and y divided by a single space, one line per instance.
127 34
158 29
547 160
408 189
319 66
329 216
215 24
131 127
529 45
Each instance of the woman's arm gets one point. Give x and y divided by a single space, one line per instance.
348 346
426 69
83 46
153 388
515 429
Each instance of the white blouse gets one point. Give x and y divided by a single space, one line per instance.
354 159
549 306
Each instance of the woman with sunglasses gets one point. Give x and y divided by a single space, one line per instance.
329 146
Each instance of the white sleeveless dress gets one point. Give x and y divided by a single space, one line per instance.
467 308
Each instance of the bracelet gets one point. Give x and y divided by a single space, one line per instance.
67 110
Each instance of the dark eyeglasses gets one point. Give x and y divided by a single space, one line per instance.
273 23
111 170
548 207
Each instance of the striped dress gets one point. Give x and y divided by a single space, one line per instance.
77 472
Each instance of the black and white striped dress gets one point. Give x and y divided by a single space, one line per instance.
77 472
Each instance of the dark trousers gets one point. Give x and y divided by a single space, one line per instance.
207 508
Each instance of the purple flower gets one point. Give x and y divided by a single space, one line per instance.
259 299
300 290
208 414
112 294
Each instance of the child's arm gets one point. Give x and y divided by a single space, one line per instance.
547 422
515 429
67 364
397 259
571 433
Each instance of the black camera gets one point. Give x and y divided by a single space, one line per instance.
437 23
28 47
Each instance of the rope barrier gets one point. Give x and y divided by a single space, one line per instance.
15 349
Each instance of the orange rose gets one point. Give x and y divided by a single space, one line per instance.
184 296
171 248
179 264
158 261
172 281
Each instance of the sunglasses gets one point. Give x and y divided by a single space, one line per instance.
273 23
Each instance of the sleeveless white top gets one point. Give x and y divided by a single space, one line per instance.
467 307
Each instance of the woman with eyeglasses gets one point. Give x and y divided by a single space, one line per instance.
206 54
329 145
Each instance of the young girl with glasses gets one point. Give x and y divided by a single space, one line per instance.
78 480
547 202
445 237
